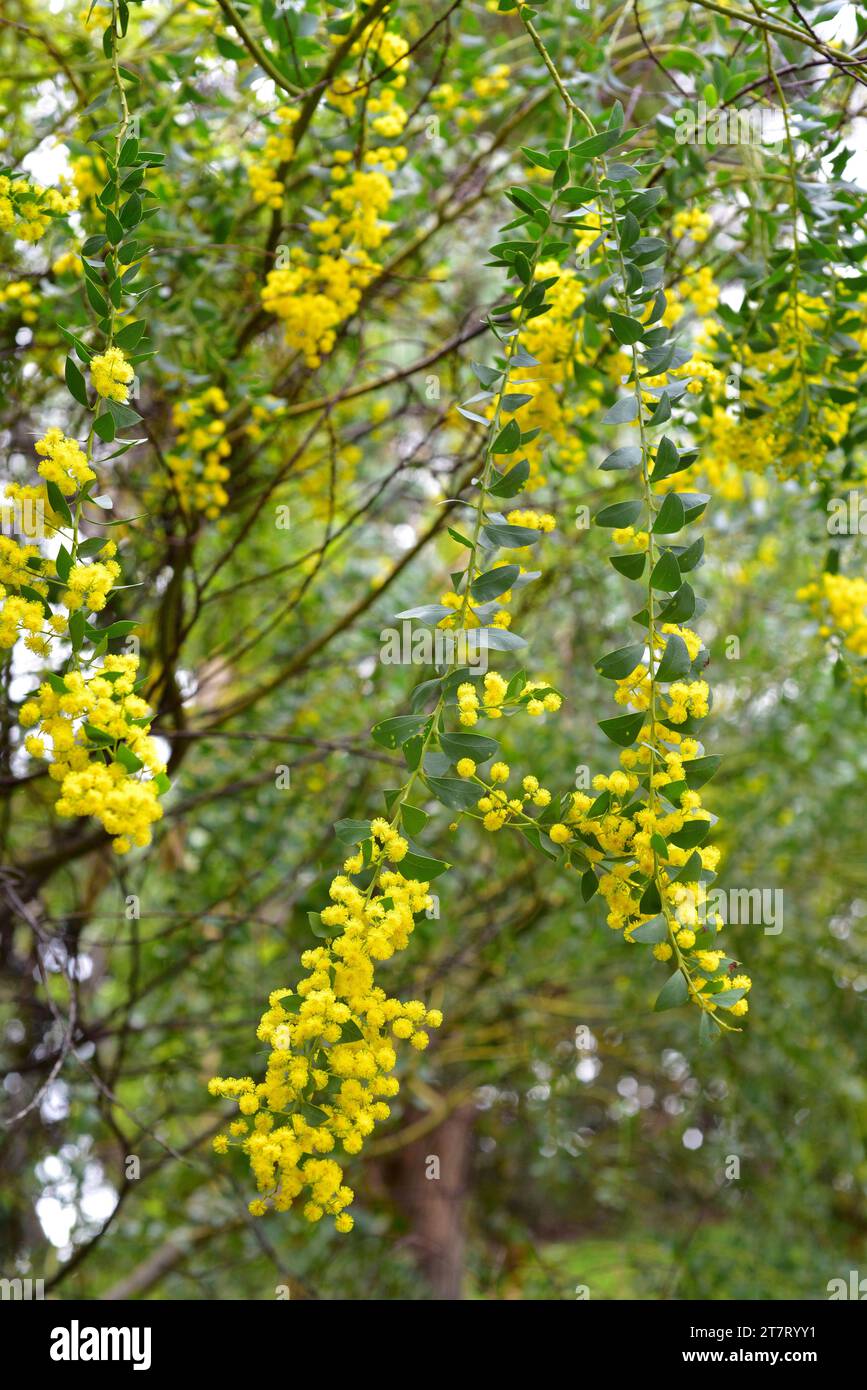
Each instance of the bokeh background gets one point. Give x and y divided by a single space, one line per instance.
583 1142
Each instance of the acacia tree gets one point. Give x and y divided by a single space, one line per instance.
314 317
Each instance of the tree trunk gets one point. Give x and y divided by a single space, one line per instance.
429 1181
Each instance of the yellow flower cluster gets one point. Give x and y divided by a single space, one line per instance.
315 293
68 263
471 615
494 83
86 584
332 1041
278 150
840 603
197 466
497 809
485 87
88 175
19 614
21 298
631 839
536 521
27 208
692 222
498 698
22 613
769 425
98 729
63 462
554 341
111 374
390 50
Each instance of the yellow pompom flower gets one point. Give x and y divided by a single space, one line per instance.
111 375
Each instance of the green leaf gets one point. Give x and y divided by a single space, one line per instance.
700 770
500 639
311 1113
589 885
419 867
680 607
598 144
130 213
533 835
229 49
414 819
668 460
350 1032
670 517
317 926
58 503
707 1029
352 832
113 228
423 693
105 427
495 582
689 558
666 573
98 736
75 382
454 792
651 932
122 415
623 412
475 746
623 730
673 993
619 514
130 335
426 612
393 733
511 483
462 540
94 244
63 563
128 152
127 758
630 565
619 663
543 161
626 329
92 546
694 504
76 630
692 834
511 537
97 300
675 662
508 440
628 457
729 996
